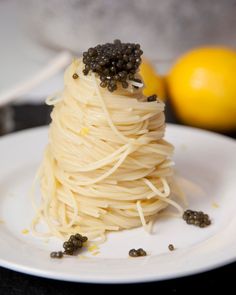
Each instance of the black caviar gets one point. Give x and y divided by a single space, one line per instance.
74 243
152 98
171 247
133 253
75 76
58 254
137 253
71 247
197 218
115 63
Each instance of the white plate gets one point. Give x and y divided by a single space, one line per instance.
206 163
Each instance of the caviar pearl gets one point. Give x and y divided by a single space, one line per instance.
197 218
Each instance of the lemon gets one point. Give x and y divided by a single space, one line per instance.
154 83
202 87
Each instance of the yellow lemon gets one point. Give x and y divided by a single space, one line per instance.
154 83
202 87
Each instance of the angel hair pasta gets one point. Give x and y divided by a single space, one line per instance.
106 166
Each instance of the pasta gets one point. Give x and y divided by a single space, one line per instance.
106 166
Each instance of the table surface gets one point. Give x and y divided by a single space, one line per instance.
14 283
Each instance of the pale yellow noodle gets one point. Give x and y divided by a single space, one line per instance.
106 166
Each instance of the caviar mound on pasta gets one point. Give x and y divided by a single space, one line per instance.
106 166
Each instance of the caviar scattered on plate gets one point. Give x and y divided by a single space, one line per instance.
137 253
171 247
197 218
71 247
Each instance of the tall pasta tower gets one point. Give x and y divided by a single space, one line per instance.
106 166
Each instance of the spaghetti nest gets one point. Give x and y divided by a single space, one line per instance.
106 166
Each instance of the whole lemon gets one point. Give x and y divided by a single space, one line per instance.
154 83
202 87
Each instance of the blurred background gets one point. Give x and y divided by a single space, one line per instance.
199 88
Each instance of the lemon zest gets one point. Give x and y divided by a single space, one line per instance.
25 231
84 131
